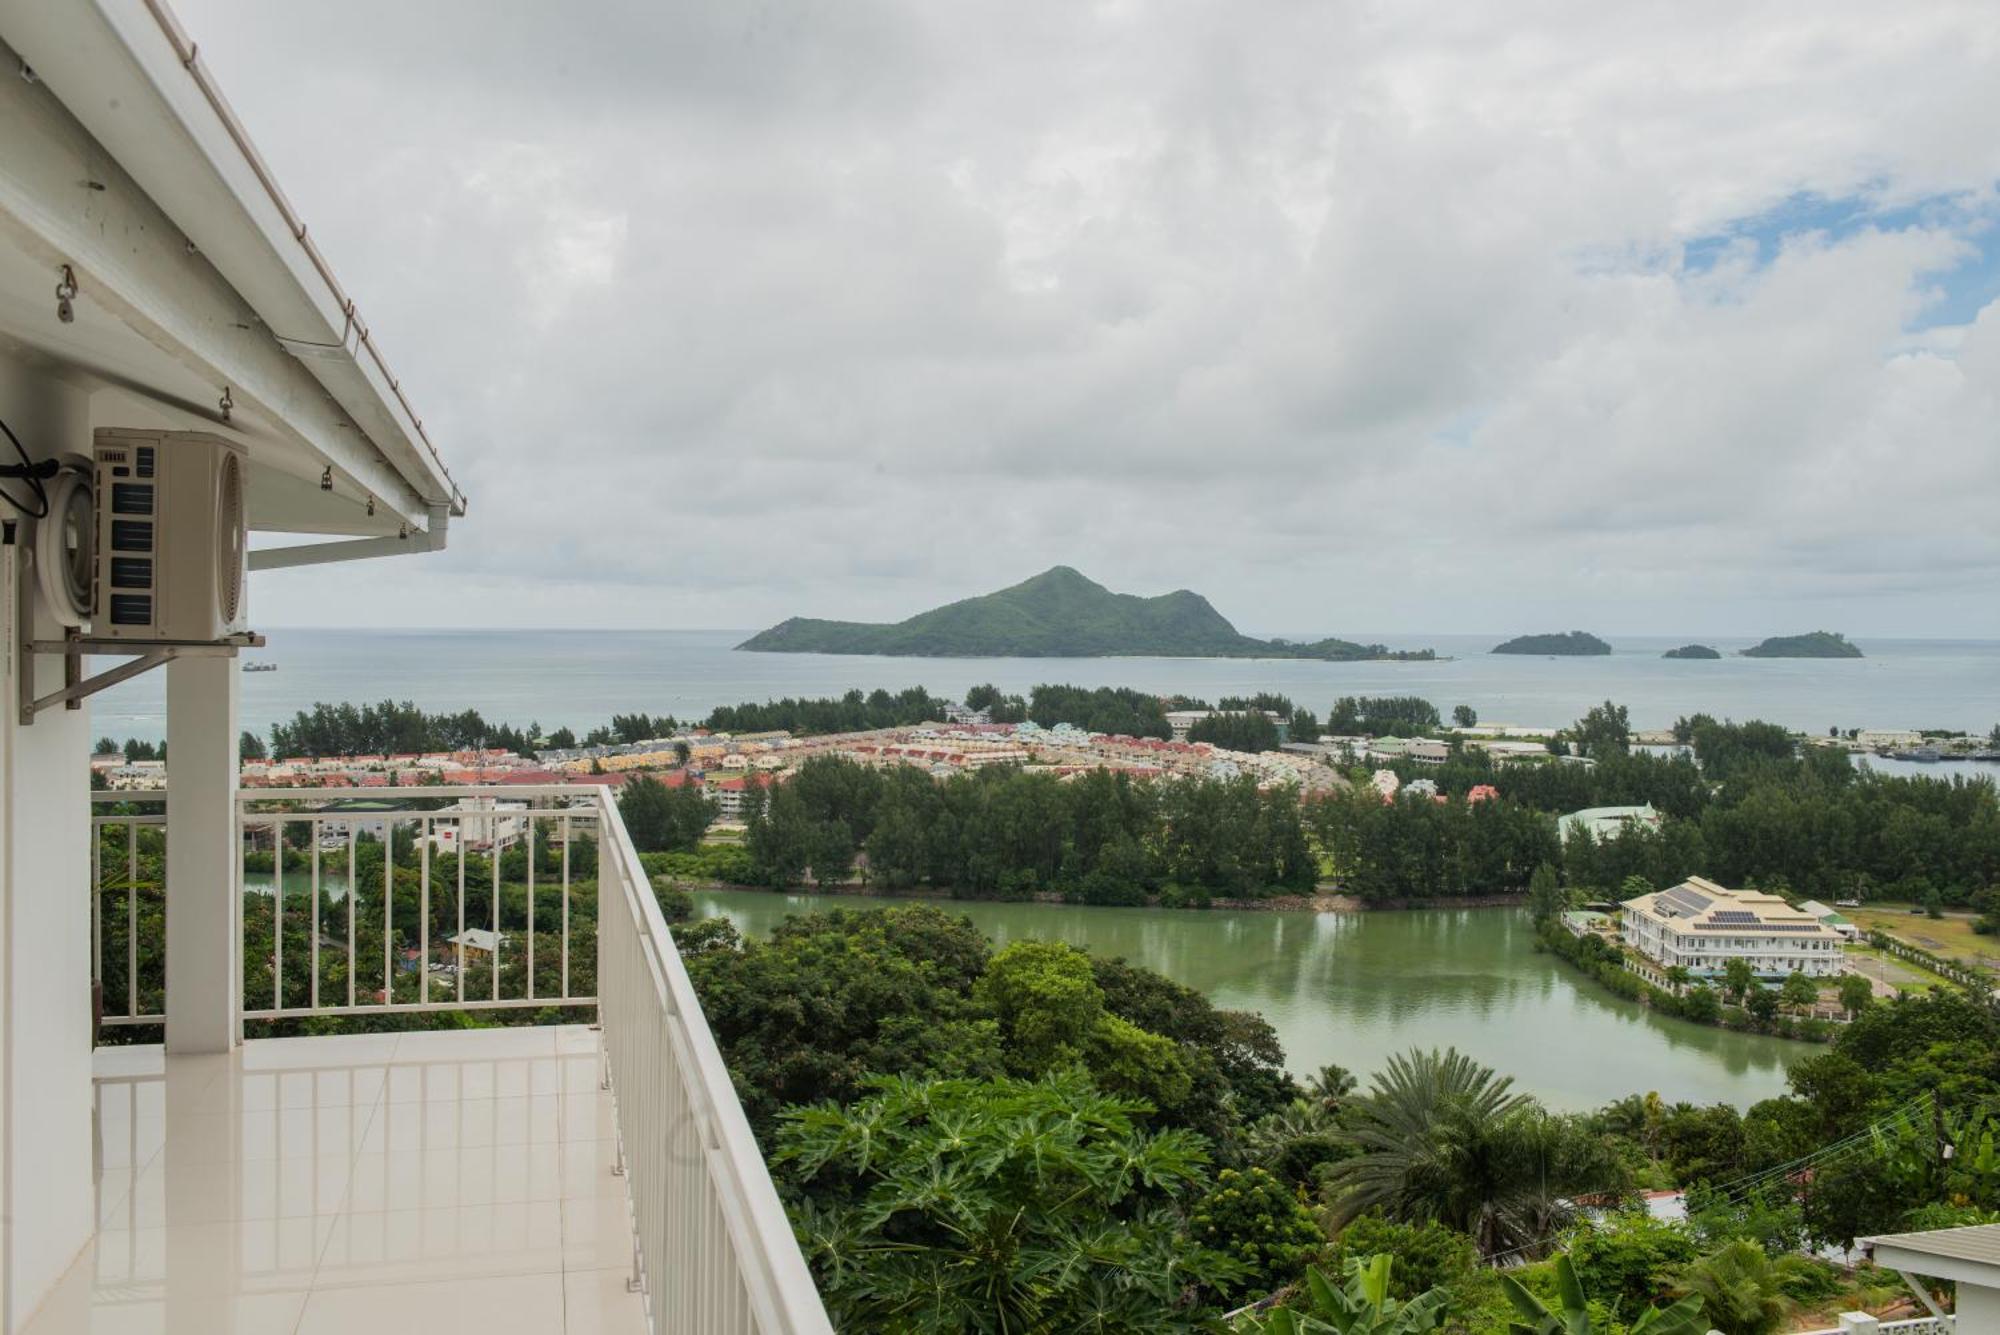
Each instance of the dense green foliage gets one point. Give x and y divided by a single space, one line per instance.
1816 644
1693 651
1379 715
1413 848
1009 833
662 819
1248 730
1002 1205
390 728
1057 614
852 712
1574 643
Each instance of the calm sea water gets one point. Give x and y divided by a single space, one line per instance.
1355 988
581 678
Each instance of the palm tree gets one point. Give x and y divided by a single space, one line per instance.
1440 1137
1740 1287
1331 1086
1396 1126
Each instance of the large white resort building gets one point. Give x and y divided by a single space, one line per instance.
1701 926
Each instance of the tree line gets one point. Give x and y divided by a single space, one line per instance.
1005 832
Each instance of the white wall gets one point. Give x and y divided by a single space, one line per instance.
45 938
1978 1309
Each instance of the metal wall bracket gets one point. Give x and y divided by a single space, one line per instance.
146 655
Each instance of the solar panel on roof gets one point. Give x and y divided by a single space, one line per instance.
1758 926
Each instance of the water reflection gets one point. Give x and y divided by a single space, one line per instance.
1355 988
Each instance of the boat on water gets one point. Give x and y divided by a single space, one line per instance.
260 667
1927 755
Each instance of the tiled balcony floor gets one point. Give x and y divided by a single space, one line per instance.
434 1182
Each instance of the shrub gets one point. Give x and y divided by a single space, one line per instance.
1260 1223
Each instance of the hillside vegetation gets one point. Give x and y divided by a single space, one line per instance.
1060 613
1818 644
1576 643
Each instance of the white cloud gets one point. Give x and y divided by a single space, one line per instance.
1354 317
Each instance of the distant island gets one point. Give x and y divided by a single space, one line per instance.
1692 651
1060 613
1576 644
1819 644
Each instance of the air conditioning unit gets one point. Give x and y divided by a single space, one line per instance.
171 536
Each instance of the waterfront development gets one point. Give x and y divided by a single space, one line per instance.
1356 988
578 679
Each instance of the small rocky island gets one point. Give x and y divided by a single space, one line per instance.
1818 644
1692 651
1576 644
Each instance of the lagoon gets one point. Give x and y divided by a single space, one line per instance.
1354 988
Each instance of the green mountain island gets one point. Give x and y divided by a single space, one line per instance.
1819 644
1576 644
1692 651
1058 614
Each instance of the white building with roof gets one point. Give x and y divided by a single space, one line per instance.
1700 926
1609 822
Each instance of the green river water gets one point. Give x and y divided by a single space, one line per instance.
1353 988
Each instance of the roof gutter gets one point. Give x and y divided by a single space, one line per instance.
352 337
410 542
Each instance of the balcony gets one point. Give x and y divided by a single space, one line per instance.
557 1175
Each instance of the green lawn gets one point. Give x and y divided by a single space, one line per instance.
1950 936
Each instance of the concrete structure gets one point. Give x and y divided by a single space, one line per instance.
1609 822
1969 1257
485 824
154 278
1700 926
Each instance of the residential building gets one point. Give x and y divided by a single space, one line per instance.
1608 822
1701 926
1878 739
478 942
484 825
165 310
1832 918
1426 751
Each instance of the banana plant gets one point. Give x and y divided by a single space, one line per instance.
1361 1306
1682 1318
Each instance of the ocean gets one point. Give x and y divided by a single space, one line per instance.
579 678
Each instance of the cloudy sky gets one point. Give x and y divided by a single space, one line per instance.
1358 318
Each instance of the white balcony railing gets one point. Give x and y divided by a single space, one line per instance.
404 906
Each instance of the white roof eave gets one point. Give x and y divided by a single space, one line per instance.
134 80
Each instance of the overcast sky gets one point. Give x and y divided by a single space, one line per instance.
1357 318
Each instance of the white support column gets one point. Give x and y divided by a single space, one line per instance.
204 965
45 1093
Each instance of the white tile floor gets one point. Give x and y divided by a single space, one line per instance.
437 1182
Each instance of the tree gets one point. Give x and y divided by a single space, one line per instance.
1440 1137
1546 897
1259 1223
1856 994
1360 1306
1247 730
1465 716
562 739
251 747
1762 1003
663 819
1002 1205
1800 993
1738 977
1603 730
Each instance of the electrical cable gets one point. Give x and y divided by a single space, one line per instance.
32 472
